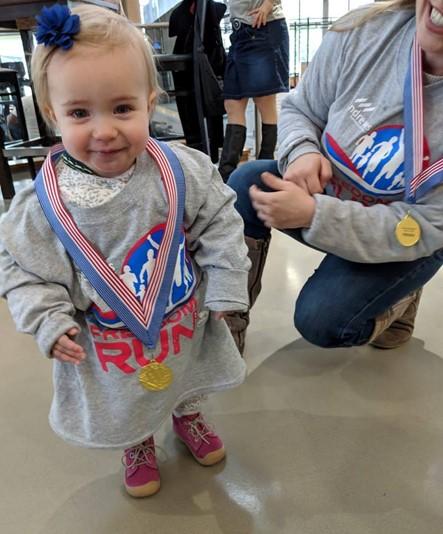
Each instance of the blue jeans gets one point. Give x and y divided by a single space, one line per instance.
338 304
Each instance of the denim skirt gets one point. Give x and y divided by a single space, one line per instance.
258 61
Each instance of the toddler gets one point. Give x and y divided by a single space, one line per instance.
122 256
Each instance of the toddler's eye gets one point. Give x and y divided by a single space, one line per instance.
78 113
123 108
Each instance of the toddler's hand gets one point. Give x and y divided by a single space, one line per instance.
67 350
311 172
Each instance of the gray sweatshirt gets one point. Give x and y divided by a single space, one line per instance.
240 9
349 106
100 403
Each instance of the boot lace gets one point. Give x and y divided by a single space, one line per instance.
199 429
142 454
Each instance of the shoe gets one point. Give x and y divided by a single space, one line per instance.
401 329
238 321
142 477
233 144
268 141
206 447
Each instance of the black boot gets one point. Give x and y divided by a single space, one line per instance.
268 141
233 144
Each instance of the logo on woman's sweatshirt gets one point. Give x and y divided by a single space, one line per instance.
376 165
360 110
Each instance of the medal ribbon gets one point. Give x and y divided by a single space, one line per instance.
144 318
418 181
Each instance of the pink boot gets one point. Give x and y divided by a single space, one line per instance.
142 478
206 447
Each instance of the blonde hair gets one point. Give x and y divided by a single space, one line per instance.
351 21
99 28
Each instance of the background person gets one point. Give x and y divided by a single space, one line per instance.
13 124
257 67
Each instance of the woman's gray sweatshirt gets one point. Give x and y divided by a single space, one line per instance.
349 107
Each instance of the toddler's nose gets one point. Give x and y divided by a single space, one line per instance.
104 130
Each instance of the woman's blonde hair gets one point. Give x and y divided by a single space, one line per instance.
351 20
102 28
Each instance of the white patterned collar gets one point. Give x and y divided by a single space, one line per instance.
86 190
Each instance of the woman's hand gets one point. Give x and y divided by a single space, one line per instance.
311 172
67 350
289 206
260 15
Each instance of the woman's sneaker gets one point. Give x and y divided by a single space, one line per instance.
206 447
142 477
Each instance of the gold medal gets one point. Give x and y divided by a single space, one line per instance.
155 376
408 231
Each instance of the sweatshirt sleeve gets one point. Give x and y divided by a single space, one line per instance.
38 308
362 234
304 112
215 238
36 276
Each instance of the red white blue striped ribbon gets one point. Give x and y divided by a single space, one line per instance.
142 318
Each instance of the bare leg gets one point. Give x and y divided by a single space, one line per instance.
236 110
267 107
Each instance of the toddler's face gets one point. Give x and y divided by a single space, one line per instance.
100 103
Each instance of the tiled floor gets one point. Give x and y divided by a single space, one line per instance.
319 441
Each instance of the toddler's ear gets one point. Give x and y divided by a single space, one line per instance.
151 101
51 115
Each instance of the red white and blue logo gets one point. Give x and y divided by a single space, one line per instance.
136 273
376 165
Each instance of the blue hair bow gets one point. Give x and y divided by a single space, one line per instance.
56 26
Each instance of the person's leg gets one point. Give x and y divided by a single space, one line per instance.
142 477
257 238
240 181
236 110
235 136
192 429
341 303
400 329
339 290
267 107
